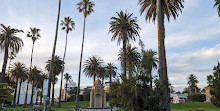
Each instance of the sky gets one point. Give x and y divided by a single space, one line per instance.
192 40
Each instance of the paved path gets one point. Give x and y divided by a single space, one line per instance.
100 109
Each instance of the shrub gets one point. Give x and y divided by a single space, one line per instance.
5 93
196 97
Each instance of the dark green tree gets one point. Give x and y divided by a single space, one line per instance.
5 93
9 42
157 10
149 62
91 67
192 82
53 54
124 28
68 25
34 77
133 59
67 77
111 71
215 85
85 7
58 66
18 70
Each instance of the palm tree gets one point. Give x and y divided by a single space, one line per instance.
34 76
91 67
11 57
111 72
102 73
68 25
9 41
53 54
67 77
18 71
41 83
158 9
192 81
149 62
132 59
23 77
34 35
124 28
85 7
217 4
57 69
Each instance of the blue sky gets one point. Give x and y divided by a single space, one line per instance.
192 40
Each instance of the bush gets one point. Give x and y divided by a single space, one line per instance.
5 93
196 97
49 108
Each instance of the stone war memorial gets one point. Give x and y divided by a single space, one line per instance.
97 95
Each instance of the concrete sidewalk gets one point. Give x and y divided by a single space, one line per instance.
113 109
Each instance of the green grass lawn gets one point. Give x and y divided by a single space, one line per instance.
65 106
194 106
70 106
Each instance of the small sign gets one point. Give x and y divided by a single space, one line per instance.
46 98
45 87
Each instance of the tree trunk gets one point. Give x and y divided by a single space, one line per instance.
151 82
4 64
53 90
124 56
102 93
19 91
162 56
66 90
110 88
41 95
15 95
93 79
32 93
53 54
61 83
32 51
25 102
80 65
9 65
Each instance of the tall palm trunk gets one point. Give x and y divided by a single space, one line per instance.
25 102
15 95
80 65
61 83
66 90
53 53
94 79
32 51
36 98
162 56
110 88
9 65
4 64
32 93
102 92
52 103
151 81
124 57
41 95
19 91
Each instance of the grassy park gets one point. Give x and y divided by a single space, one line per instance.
70 106
43 56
